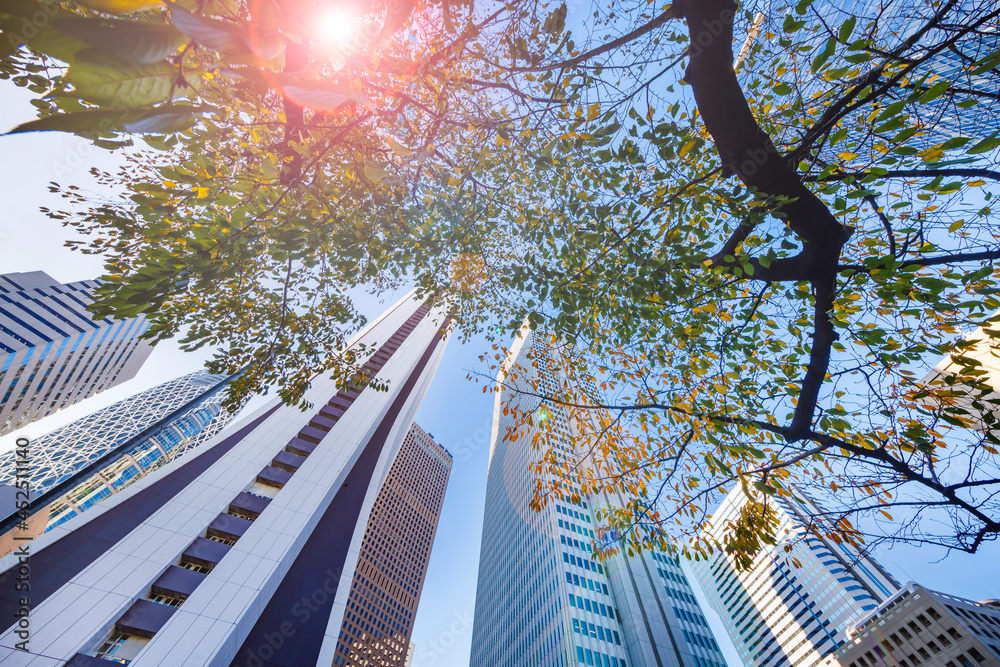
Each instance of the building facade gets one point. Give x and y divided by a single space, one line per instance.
541 598
389 575
177 416
53 353
921 627
795 604
982 403
243 551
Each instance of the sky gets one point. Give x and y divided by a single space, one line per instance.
455 411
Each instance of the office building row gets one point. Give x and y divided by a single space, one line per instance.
101 454
292 538
302 538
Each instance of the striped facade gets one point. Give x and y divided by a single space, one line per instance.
53 353
178 415
794 606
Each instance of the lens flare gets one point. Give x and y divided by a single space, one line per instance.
336 27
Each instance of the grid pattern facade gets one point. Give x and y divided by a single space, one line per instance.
52 353
393 562
919 627
61 453
541 599
781 613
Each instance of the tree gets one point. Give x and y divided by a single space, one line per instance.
769 264
280 171
755 265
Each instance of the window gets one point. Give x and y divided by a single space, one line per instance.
976 655
115 642
943 640
954 634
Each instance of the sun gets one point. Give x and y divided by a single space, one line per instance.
336 27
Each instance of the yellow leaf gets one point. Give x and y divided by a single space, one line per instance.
593 112
398 147
119 6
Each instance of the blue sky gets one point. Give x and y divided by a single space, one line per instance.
455 410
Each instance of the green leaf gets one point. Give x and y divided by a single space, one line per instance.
987 144
791 25
890 111
824 55
102 121
396 16
986 63
163 122
132 40
935 91
847 28
321 97
127 84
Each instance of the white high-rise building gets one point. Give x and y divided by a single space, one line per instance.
792 607
53 353
243 551
541 599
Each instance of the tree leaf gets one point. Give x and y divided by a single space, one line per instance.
987 144
320 97
846 29
397 13
137 41
824 55
210 33
127 84
101 121
119 6
935 91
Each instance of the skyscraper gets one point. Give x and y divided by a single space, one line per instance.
156 426
389 576
239 552
541 598
53 353
792 607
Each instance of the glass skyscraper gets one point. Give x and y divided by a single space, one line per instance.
541 598
53 353
796 602
180 415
